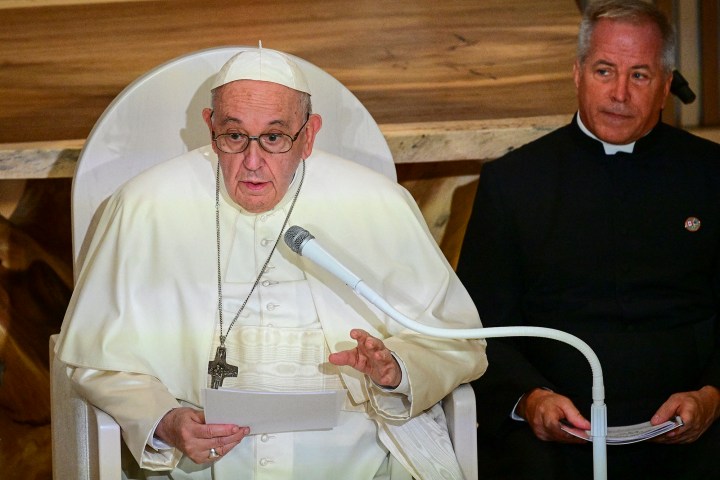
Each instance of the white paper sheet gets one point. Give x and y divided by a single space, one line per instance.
629 433
273 412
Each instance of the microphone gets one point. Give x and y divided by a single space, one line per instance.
304 244
681 88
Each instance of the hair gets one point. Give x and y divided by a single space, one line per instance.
633 11
305 103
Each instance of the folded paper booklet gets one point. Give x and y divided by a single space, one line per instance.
629 433
274 412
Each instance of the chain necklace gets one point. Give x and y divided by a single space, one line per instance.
218 368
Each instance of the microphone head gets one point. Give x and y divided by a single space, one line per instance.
681 88
296 237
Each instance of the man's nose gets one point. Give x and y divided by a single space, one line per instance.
254 155
620 91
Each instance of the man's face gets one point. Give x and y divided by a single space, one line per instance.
621 85
255 179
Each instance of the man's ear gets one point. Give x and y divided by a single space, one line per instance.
207 116
312 127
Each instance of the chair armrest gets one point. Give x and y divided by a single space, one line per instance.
105 444
85 440
459 407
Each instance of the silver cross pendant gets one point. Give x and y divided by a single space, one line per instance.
219 369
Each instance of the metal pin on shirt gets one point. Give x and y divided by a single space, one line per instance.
692 224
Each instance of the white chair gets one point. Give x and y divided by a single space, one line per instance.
158 117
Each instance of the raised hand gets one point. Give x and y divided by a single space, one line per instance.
370 357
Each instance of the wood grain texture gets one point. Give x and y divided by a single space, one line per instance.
408 61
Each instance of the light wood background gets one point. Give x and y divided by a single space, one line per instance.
407 60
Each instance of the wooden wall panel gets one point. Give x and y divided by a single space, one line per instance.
407 61
710 49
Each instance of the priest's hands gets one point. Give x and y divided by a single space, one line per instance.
370 357
185 429
698 409
543 411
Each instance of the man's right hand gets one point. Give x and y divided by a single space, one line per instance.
543 410
185 429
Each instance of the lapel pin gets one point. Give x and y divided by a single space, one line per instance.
692 224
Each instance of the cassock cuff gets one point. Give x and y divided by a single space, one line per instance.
514 414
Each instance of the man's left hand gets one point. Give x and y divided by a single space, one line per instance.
698 409
370 357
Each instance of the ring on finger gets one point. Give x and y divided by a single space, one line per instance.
213 453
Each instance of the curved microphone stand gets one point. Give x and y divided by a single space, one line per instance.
302 242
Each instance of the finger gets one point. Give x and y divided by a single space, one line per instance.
359 334
227 447
217 430
217 447
344 358
338 358
375 344
666 411
576 419
223 442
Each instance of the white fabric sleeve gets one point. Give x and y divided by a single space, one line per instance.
513 413
137 403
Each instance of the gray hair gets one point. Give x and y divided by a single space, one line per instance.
633 11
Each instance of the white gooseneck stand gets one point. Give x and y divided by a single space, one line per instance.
302 242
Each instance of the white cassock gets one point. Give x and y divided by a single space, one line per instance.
146 304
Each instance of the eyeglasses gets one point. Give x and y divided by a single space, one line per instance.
236 142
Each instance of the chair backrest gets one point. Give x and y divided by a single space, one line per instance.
158 117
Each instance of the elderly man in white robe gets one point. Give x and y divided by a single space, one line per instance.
186 266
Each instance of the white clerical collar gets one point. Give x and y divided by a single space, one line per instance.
610 149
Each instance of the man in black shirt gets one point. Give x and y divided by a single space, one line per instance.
608 229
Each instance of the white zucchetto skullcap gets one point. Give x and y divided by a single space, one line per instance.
265 65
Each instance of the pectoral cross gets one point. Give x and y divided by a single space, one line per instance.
219 368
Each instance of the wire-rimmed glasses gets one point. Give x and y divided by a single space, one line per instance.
273 142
